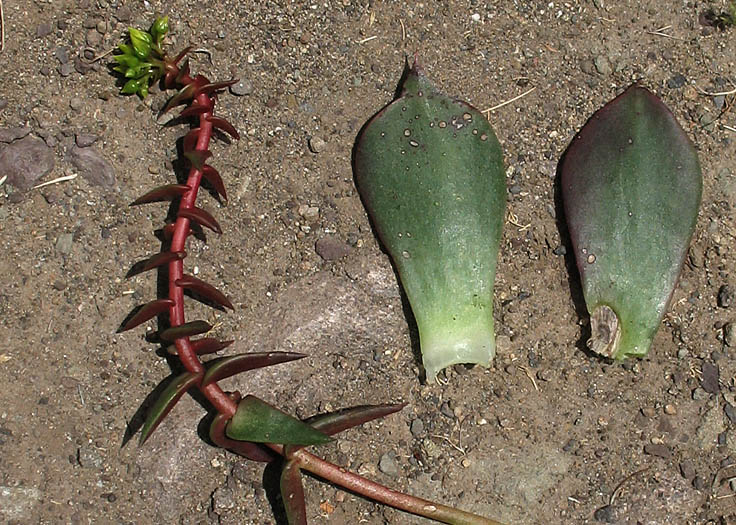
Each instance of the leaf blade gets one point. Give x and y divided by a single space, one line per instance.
166 401
222 368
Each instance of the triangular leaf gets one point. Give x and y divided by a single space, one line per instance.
224 125
246 449
166 402
213 177
189 141
184 94
216 86
257 421
155 261
195 109
147 312
202 217
347 418
205 290
197 158
185 330
162 193
292 493
225 367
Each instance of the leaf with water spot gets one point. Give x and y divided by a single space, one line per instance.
430 171
631 187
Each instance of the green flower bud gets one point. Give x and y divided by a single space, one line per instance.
159 28
131 86
141 42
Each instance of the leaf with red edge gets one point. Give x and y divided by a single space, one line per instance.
246 449
197 158
155 261
183 72
205 290
340 420
195 110
292 493
224 125
166 402
189 142
213 177
185 93
147 312
224 367
257 421
202 217
209 345
215 86
162 193
185 330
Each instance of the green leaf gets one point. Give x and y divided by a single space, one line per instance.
292 493
159 29
430 171
141 42
257 421
166 402
631 187
131 86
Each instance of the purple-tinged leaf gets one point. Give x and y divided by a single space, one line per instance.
340 420
162 193
246 449
205 290
292 493
224 125
189 142
184 94
166 401
224 367
147 312
183 72
155 261
195 110
631 187
197 158
209 345
201 217
184 52
257 421
216 86
213 177
185 330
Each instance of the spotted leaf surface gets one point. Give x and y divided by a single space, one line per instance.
631 186
430 171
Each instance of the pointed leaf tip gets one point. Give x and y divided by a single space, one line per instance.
201 217
185 330
147 312
222 368
205 290
166 401
292 493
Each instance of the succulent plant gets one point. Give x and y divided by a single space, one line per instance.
246 425
430 171
631 187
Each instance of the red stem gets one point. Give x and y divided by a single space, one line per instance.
226 406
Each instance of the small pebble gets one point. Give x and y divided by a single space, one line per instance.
605 514
387 464
676 82
331 249
700 395
700 483
730 411
687 469
416 427
670 410
62 54
241 87
65 69
729 334
272 103
648 412
76 103
84 140
43 30
659 450
64 243
317 144
602 65
725 296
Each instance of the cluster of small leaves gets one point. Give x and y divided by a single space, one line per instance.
721 20
141 60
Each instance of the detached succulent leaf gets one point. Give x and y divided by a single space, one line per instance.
430 171
166 402
631 187
257 421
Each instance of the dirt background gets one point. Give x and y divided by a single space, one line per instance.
547 435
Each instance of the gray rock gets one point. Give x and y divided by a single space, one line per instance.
64 243
707 433
91 165
711 376
730 411
17 503
602 65
65 69
62 54
25 161
317 144
729 334
43 30
387 464
677 81
241 87
416 427
606 514
89 458
331 249
12 134
725 296
223 499
85 140
659 450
